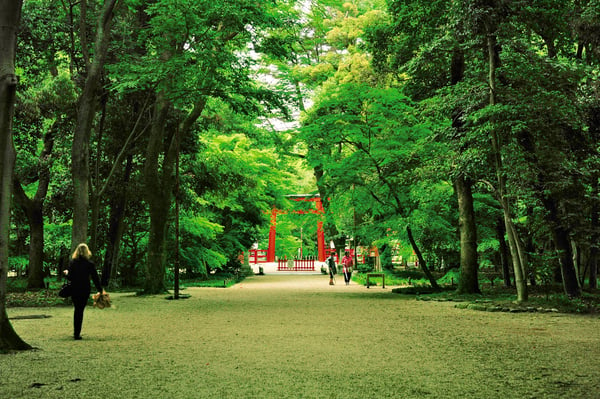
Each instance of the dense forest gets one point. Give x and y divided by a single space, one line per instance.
147 129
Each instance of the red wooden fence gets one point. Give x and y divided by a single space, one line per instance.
257 256
296 265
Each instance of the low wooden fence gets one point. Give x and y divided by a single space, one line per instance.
296 265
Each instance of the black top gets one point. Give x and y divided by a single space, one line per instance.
331 264
80 272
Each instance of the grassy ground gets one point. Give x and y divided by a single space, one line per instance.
297 337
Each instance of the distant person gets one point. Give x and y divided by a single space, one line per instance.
332 269
347 267
81 269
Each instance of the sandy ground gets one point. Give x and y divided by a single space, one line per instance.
297 337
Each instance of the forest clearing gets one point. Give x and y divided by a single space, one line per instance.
297 337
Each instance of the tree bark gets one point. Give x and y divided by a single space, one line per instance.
562 244
513 240
469 282
10 14
115 230
86 111
158 197
504 255
34 208
159 183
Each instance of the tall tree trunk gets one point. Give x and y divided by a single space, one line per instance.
513 240
469 283
10 14
159 182
159 202
86 111
158 198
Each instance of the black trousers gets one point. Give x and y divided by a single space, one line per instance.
79 303
346 277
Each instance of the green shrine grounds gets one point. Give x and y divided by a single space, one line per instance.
294 336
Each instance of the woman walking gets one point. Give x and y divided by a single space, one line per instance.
79 272
347 268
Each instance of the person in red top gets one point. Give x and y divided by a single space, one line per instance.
79 272
347 267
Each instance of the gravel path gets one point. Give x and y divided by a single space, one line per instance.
297 337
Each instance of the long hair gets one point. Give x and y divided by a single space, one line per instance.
82 251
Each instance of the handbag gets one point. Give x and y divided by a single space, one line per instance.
102 300
66 290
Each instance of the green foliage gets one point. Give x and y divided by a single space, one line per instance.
450 278
375 152
18 263
220 280
57 239
198 253
229 184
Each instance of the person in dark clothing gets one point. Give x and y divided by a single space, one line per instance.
332 269
79 272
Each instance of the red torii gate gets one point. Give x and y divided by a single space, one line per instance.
319 210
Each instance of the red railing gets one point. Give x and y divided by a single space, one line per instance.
257 256
296 265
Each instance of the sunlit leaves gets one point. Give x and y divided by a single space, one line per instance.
371 146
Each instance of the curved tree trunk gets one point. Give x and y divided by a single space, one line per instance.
504 255
422 262
34 209
513 241
10 14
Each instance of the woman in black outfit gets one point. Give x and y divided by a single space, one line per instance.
79 272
